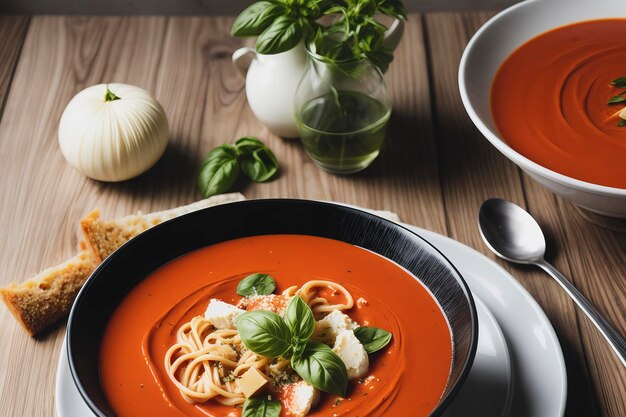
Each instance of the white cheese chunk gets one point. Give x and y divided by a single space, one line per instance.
222 315
352 353
298 398
327 329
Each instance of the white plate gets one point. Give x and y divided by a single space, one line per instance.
488 390
539 376
527 378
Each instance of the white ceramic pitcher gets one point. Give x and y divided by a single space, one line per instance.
271 81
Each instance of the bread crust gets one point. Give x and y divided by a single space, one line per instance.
46 298
43 300
103 237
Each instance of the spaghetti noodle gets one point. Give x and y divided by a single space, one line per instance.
205 362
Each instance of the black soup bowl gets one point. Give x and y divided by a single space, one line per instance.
130 264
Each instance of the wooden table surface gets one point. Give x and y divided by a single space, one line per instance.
435 171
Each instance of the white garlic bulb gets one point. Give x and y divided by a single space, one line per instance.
113 132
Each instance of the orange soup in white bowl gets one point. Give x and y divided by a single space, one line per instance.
543 83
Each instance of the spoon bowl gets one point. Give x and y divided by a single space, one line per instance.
510 232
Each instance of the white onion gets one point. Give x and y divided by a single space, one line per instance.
113 140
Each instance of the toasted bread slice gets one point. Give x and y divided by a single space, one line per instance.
105 236
46 298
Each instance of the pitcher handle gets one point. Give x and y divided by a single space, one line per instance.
393 35
241 64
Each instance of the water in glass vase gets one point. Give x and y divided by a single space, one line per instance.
343 131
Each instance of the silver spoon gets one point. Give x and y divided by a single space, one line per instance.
514 235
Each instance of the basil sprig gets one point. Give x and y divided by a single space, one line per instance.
372 338
357 34
256 284
279 24
222 166
354 34
267 334
261 407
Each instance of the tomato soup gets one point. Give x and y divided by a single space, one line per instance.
408 377
550 101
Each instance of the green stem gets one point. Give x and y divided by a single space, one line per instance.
342 149
110 95
342 152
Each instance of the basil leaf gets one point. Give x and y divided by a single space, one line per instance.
322 368
393 8
261 407
248 144
256 18
299 319
381 57
260 166
619 82
616 99
264 332
256 284
372 338
257 160
282 35
218 171
622 123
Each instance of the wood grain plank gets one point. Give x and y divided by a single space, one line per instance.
42 197
598 269
12 32
473 171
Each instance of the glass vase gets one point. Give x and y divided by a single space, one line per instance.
342 109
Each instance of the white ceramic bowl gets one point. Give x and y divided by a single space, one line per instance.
482 57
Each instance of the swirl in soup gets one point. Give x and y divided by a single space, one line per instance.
550 101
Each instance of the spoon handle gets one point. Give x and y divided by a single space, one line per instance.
616 341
